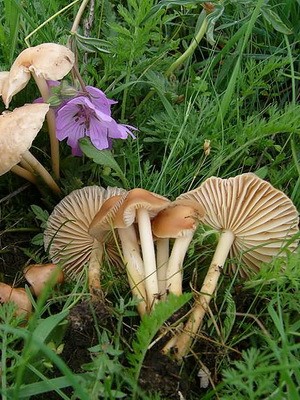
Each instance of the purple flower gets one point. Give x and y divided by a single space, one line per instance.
89 116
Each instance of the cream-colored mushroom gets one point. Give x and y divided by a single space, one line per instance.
178 221
47 61
104 221
17 132
66 236
141 206
256 222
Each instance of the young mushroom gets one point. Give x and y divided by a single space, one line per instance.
17 296
17 132
47 61
141 206
41 275
104 221
256 222
66 236
178 221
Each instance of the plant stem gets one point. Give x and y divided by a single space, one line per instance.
162 257
134 266
209 286
148 253
94 269
50 116
190 50
24 173
175 263
41 170
78 16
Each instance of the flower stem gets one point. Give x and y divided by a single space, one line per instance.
78 16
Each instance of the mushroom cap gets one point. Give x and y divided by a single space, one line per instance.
262 218
135 199
52 61
178 219
17 296
38 275
66 236
3 78
104 219
17 132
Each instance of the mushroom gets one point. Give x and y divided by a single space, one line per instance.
17 132
179 221
66 236
41 275
103 221
256 222
141 206
47 61
17 296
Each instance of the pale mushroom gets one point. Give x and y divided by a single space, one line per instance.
178 221
47 61
141 206
41 275
256 222
103 221
17 296
66 236
17 132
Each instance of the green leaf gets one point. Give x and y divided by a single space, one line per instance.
274 19
101 157
39 213
91 44
149 327
211 21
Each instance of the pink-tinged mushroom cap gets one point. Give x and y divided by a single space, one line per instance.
261 218
67 235
51 61
39 275
18 129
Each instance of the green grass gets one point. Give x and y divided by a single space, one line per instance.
237 88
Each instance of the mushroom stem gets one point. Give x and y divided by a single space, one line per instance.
148 253
94 270
162 257
25 165
41 170
208 288
134 266
24 173
175 263
50 116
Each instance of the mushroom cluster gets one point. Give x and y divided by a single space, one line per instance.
47 61
255 222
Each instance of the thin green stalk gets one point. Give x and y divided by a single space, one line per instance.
193 45
292 69
3 365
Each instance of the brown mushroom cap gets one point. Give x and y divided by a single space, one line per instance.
38 275
137 199
261 217
177 219
17 132
104 219
66 236
17 296
52 61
